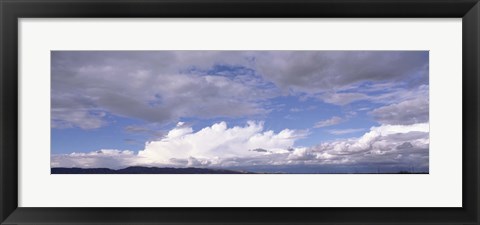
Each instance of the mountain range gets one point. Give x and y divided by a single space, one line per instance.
143 170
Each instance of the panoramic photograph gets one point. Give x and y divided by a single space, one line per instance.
239 112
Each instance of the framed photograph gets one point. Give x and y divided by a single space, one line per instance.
239 112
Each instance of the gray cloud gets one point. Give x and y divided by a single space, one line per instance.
405 145
148 129
67 118
314 71
343 98
259 150
404 113
328 122
163 86
148 86
346 131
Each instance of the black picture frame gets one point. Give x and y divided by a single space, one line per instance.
12 10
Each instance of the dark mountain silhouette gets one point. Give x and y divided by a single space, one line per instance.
143 170
193 170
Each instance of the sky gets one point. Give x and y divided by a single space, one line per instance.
259 111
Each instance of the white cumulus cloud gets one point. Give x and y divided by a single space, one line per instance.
184 147
218 142
250 146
